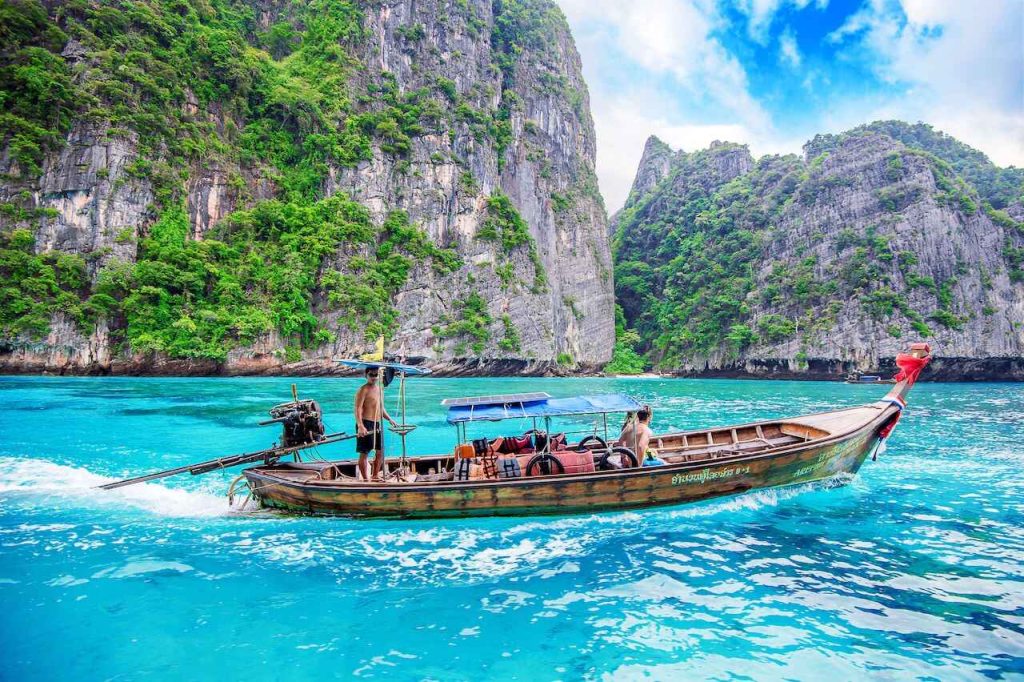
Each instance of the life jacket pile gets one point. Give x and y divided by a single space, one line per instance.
468 470
575 462
509 457
509 467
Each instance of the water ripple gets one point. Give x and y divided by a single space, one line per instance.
912 569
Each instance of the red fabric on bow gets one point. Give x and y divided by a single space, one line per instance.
887 429
910 367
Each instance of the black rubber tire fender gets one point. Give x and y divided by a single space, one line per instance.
582 445
605 465
542 460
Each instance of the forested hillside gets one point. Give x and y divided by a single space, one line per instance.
228 185
823 263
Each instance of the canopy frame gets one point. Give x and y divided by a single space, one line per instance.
607 403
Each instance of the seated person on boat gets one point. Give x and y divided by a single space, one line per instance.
636 432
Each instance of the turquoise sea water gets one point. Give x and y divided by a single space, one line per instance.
915 569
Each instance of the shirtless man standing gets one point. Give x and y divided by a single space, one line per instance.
369 434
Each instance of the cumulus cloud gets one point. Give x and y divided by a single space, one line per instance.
672 38
670 47
960 66
788 50
761 13
661 67
624 122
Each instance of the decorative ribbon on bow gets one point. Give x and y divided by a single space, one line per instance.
910 368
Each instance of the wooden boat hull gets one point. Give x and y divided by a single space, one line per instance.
635 488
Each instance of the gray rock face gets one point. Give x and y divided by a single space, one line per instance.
655 163
546 169
95 205
552 153
864 248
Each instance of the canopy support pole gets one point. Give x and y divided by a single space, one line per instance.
401 398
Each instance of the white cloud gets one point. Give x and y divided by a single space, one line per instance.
788 50
663 41
624 122
961 65
761 14
858 21
673 38
657 67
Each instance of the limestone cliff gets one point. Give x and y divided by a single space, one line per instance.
655 163
829 263
323 171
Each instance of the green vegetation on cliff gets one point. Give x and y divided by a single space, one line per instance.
998 186
684 259
291 99
625 359
34 287
275 99
506 227
725 254
258 272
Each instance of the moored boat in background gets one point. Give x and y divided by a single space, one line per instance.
854 378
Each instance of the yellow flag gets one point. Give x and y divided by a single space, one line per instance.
378 354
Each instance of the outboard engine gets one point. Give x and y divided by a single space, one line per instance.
303 422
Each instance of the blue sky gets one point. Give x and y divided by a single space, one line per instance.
773 73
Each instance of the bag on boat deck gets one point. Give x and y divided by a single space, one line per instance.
468 470
513 445
442 476
508 467
478 472
651 459
576 462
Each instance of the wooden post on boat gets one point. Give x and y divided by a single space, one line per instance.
295 399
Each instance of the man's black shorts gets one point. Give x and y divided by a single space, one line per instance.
370 441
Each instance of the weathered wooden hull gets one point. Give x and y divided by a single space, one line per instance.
572 494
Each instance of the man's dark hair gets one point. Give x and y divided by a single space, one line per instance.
367 371
644 413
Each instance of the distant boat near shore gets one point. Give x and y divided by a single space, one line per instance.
854 378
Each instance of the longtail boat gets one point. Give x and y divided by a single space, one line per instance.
695 465
543 472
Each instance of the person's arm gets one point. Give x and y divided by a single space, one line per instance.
360 397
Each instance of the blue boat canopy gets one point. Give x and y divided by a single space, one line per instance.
551 407
506 399
408 370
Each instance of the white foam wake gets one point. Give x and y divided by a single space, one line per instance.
72 485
